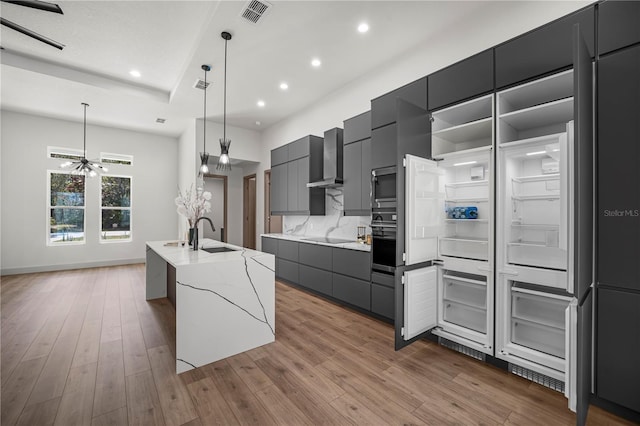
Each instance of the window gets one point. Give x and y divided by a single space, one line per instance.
64 153
122 159
66 209
116 208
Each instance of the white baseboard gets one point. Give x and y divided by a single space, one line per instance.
49 268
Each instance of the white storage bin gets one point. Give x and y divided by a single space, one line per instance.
537 255
464 290
539 337
468 190
465 316
544 310
477 249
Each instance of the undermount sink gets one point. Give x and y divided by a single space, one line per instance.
218 249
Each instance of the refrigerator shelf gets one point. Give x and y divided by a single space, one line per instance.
474 295
465 280
536 178
539 308
548 197
466 221
469 248
467 200
542 338
467 183
537 255
465 316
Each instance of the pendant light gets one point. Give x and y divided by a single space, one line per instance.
224 162
84 166
204 156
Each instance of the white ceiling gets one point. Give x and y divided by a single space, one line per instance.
168 41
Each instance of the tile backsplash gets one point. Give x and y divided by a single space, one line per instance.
332 224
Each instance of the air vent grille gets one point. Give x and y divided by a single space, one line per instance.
200 84
161 120
255 10
538 378
462 349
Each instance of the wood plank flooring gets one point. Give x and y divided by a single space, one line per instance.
83 347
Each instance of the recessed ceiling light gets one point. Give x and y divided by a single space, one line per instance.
260 103
363 27
258 123
316 62
135 73
284 86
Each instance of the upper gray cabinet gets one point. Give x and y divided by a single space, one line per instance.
464 80
357 165
543 50
292 167
383 108
618 25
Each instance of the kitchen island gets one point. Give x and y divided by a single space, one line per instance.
225 300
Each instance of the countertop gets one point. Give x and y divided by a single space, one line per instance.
184 255
301 238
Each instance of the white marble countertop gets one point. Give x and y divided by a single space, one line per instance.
184 255
301 238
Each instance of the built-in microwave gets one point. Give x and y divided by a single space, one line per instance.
383 186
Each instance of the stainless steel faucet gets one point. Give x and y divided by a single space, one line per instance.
195 232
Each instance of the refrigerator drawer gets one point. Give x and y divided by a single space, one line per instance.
540 309
465 316
539 337
465 290
536 255
477 249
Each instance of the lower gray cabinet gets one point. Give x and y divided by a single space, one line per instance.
315 279
315 255
287 270
353 263
288 250
353 291
382 300
270 245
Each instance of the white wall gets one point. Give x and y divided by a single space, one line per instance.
186 168
498 22
24 199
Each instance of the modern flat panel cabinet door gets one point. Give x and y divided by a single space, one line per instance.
292 186
463 80
383 108
279 188
384 146
357 128
365 192
618 25
618 348
618 172
583 164
352 176
544 50
279 155
270 245
301 184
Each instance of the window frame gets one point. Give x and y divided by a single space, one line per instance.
130 208
110 159
49 243
71 154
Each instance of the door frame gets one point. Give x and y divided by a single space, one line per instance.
226 191
245 212
267 204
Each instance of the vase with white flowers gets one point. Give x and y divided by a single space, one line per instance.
193 204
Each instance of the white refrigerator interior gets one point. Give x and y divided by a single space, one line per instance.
535 309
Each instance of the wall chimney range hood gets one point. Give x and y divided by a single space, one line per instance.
332 161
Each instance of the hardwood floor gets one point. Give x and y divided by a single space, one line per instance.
83 347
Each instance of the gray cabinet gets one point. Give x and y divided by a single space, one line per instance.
463 80
288 250
384 146
279 185
354 263
543 50
618 25
383 108
287 270
315 255
316 279
292 167
382 300
270 245
357 165
351 290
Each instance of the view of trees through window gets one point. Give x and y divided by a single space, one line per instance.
66 208
116 208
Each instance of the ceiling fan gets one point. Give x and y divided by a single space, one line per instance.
35 4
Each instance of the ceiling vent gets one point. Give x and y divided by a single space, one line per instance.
255 10
161 120
200 84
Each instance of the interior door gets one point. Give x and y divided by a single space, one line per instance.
583 242
424 201
419 310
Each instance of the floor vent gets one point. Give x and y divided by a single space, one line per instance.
541 379
462 349
255 10
200 84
